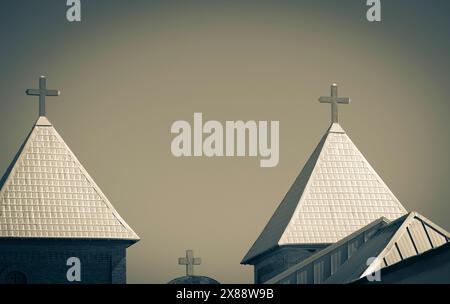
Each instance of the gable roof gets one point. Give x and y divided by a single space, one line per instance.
410 236
390 243
401 272
47 193
336 193
358 236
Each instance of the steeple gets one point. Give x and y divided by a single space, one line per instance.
336 193
47 193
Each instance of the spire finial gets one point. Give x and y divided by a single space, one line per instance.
42 92
189 261
334 100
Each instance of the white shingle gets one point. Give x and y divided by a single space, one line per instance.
336 188
46 185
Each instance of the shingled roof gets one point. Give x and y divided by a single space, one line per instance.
336 193
46 193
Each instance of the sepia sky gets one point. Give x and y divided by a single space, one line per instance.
132 68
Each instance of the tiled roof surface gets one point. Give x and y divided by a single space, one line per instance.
336 193
46 193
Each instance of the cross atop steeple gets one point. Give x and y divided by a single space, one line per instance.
189 261
334 100
42 92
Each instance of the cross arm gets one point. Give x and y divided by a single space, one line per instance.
33 92
343 100
182 261
197 261
53 93
37 92
325 99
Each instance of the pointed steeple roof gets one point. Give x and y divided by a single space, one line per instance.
336 193
47 193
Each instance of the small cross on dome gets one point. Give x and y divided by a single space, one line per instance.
189 261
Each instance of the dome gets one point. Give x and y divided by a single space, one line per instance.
193 280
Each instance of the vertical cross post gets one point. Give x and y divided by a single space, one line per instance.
334 100
42 92
189 261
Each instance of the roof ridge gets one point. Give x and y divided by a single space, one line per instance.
431 224
407 220
308 183
413 215
14 161
97 188
306 171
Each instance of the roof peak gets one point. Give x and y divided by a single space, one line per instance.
43 122
335 128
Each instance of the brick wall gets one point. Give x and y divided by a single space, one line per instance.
44 261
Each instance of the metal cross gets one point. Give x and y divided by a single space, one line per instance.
42 92
334 100
189 261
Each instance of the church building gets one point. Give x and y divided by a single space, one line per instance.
56 225
335 217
